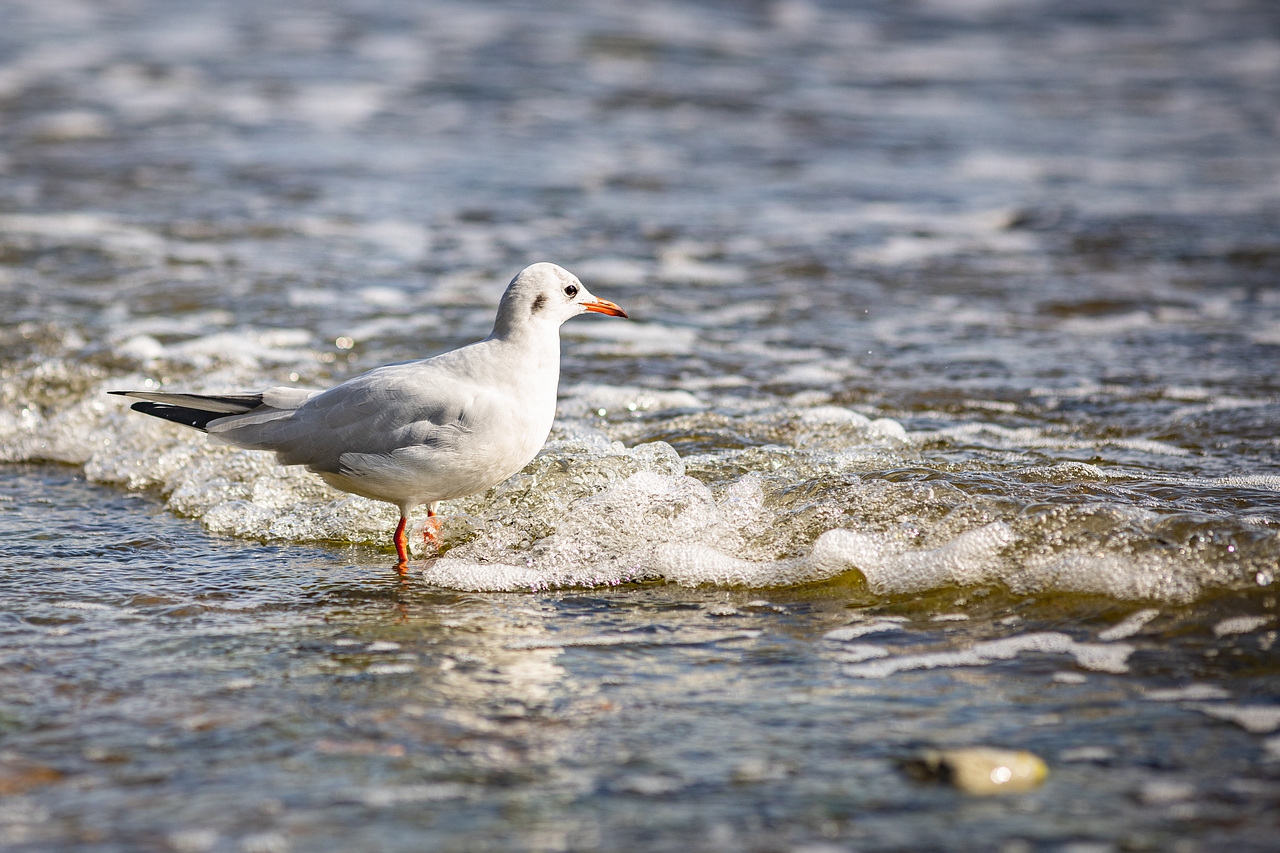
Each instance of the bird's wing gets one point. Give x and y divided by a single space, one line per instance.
407 405
286 397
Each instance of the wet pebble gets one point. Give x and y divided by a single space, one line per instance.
982 771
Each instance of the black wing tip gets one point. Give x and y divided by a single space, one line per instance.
194 418
120 393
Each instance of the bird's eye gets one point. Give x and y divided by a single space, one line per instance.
571 290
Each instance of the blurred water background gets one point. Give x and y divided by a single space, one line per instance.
947 417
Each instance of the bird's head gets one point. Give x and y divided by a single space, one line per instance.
547 293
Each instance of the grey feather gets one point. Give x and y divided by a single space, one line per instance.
229 403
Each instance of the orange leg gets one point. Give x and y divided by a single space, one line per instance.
431 531
402 542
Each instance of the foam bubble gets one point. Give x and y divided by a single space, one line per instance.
606 538
824 415
1103 658
688 637
386 796
966 560
859 652
1257 719
87 229
1130 625
1270 482
853 632
742 502
1064 472
247 347
678 268
632 339
615 272
1189 691
408 240
969 559
1240 625
586 400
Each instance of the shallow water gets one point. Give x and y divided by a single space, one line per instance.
955 334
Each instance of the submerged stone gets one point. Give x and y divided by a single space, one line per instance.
982 771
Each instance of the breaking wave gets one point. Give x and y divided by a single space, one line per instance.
763 496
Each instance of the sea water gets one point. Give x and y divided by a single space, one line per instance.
946 417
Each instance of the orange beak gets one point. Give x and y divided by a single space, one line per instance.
604 306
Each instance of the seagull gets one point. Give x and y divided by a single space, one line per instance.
415 432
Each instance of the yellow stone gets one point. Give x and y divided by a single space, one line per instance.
985 771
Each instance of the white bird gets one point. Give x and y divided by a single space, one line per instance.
417 432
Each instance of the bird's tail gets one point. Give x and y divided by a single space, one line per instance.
193 410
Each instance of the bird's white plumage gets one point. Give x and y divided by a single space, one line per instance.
425 431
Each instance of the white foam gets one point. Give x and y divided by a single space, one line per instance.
1270 482
193 840
1189 691
1064 677
859 652
1066 472
676 268
823 415
86 229
1021 438
689 637
1130 625
407 240
862 629
692 564
1256 719
742 502
612 272
650 784
929 237
1146 445
631 339
247 348
1102 658
586 400
57 56
1240 625
1150 575
336 106
390 669
606 538
967 559
1165 792
820 374
386 796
